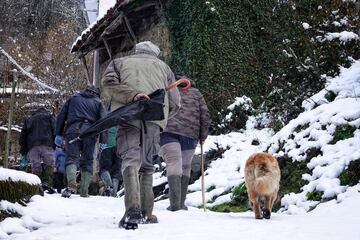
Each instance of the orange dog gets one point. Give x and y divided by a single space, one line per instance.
262 177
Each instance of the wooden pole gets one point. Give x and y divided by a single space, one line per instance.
11 111
202 176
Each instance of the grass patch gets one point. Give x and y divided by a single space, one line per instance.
300 128
314 196
351 175
239 201
210 188
343 132
330 96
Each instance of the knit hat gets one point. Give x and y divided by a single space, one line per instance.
147 47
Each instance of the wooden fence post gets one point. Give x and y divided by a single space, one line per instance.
11 110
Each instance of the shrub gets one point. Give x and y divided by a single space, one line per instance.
18 191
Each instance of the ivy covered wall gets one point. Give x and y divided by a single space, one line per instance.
275 52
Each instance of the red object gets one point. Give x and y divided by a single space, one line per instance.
188 84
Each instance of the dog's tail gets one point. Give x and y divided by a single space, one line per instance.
266 179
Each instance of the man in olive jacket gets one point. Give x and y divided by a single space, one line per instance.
126 80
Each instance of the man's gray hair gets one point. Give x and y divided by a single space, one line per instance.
147 47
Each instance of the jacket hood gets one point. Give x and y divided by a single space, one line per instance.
40 110
88 94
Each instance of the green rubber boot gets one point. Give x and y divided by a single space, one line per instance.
85 181
147 198
132 214
184 187
71 181
174 192
115 186
48 179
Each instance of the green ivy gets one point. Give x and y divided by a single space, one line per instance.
259 49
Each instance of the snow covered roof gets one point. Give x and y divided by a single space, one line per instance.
121 24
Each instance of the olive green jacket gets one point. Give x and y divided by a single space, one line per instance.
139 73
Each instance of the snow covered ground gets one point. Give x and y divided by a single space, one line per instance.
56 218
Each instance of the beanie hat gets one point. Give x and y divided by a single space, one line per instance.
147 47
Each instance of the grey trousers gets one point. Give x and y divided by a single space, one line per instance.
41 154
137 144
177 162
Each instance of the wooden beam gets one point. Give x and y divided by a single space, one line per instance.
127 23
86 69
108 49
10 118
146 5
113 25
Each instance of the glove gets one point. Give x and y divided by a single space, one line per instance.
102 146
58 141
24 162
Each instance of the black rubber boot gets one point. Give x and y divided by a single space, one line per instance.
131 219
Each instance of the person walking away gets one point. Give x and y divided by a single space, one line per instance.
110 165
126 80
36 142
77 114
59 174
179 140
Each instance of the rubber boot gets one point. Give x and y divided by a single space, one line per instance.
147 198
48 179
85 181
115 186
41 189
174 192
106 179
71 181
132 214
184 187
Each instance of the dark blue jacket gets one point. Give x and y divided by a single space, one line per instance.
78 113
38 129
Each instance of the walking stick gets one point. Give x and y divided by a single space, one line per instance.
202 176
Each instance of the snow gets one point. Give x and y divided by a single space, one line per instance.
15 176
344 36
13 128
97 218
306 25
